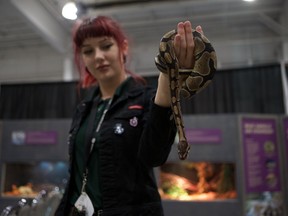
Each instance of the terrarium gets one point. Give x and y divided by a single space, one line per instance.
197 181
28 179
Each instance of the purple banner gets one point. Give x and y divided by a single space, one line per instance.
285 122
197 136
261 157
34 137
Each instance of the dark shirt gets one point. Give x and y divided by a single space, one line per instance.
93 188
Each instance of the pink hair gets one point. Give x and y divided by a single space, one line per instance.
96 27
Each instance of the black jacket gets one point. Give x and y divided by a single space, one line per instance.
127 159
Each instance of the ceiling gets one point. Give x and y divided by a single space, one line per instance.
35 23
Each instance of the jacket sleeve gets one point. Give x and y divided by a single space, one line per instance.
158 136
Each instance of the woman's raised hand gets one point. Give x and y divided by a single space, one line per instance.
184 44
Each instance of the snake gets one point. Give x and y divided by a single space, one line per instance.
185 83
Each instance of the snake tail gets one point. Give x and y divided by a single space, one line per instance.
183 149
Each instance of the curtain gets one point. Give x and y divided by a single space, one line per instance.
245 90
41 100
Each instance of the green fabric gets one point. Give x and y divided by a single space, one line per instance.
93 188
93 184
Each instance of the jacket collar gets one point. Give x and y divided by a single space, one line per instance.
130 88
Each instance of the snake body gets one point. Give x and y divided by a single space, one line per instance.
185 82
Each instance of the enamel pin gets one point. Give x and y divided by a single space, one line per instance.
118 129
134 121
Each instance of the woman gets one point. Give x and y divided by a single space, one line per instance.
122 129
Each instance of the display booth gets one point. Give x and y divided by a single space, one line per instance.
234 167
33 158
237 164
284 150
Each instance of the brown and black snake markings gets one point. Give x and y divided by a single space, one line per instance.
186 82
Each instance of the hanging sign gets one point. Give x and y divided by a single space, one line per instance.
203 135
34 137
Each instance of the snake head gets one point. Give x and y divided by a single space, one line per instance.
183 150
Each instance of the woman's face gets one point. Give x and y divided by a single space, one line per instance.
102 58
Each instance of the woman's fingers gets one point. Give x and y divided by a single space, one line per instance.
184 45
199 29
188 60
177 44
182 34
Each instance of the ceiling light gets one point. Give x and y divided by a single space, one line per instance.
69 11
249 0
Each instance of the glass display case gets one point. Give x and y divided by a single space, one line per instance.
186 180
33 159
28 179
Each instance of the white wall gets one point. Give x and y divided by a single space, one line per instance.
30 65
228 55
42 64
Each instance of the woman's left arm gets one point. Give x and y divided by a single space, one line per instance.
160 130
157 137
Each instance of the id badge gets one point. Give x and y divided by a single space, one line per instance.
84 204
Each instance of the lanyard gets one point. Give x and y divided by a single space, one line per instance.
90 138
93 140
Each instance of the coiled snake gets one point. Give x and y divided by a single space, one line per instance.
185 82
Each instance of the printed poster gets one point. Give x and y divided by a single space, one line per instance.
261 167
285 125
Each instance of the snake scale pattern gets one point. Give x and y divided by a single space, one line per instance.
186 82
